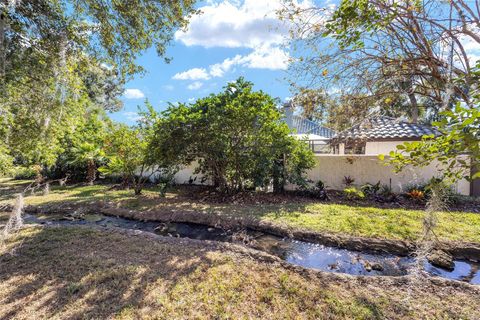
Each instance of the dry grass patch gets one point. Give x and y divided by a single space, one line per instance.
70 273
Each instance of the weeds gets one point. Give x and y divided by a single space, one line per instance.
15 221
437 203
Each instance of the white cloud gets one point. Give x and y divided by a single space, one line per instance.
472 47
226 25
192 74
249 24
195 85
272 58
266 57
132 116
235 24
133 94
219 69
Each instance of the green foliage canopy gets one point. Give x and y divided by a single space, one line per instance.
128 152
459 137
59 59
237 137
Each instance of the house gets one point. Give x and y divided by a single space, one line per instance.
317 136
378 135
381 135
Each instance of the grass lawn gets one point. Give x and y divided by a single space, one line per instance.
316 216
71 273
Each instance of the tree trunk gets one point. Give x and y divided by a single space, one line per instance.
2 50
278 176
414 106
138 190
91 172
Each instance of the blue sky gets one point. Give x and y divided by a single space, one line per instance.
230 39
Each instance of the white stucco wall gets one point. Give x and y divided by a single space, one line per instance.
376 147
183 176
381 147
331 169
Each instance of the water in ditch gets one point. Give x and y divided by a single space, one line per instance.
305 254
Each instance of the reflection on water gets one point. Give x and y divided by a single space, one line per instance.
341 260
464 271
305 254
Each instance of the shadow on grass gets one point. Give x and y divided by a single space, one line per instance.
73 273
9 188
79 273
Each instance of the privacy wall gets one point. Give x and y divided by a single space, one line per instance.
331 169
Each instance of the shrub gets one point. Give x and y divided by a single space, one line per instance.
316 191
417 195
423 191
319 191
353 193
448 193
385 194
26 173
370 189
320 185
165 181
238 138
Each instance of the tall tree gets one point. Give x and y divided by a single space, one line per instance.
60 57
238 138
456 151
380 48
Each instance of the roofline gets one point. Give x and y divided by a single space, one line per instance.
335 141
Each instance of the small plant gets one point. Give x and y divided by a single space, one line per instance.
317 191
370 189
449 196
164 181
74 288
348 181
386 194
353 193
417 195
320 185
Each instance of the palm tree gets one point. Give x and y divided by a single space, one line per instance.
88 153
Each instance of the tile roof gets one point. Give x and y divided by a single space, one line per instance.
304 126
382 127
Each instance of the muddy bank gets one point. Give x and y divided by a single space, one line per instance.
459 250
296 252
417 281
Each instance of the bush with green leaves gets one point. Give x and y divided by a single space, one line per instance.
6 162
129 155
371 189
25 173
386 194
238 138
352 193
456 150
